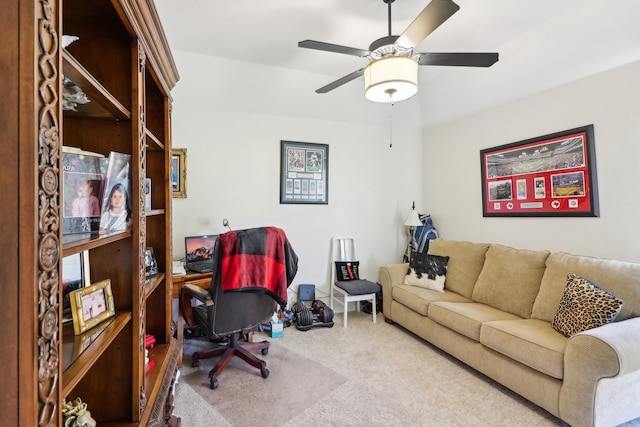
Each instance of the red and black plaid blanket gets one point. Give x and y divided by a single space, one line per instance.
258 260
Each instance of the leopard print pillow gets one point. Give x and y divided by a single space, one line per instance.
584 305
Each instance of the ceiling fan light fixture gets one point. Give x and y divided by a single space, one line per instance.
391 79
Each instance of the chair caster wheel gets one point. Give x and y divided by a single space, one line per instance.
195 363
214 384
265 351
264 373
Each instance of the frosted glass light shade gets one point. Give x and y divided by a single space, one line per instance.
391 79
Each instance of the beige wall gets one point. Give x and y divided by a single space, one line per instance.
611 102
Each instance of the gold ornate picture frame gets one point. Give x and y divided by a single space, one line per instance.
179 172
91 305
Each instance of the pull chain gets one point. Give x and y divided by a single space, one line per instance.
390 126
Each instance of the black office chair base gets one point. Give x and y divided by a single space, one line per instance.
230 350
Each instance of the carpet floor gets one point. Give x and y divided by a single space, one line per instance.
356 376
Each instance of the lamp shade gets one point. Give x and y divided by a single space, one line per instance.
413 220
391 79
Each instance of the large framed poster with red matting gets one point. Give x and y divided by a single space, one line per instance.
551 175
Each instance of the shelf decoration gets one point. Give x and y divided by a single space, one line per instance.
91 306
82 176
76 275
76 414
116 201
151 265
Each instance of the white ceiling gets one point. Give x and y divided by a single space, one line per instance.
542 44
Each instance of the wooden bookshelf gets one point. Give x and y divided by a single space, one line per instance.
122 63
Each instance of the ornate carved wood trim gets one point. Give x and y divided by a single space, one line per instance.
142 167
48 214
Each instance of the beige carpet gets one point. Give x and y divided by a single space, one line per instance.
294 384
372 383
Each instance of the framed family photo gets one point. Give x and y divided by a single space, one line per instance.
91 305
151 264
179 172
552 175
304 173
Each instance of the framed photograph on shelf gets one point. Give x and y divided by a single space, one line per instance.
91 305
75 275
151 265
304 173
552 175
179 172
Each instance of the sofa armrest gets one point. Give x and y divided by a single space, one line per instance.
390 276
612 350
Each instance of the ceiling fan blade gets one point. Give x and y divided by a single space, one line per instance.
341 81
312 44
429 19
458 59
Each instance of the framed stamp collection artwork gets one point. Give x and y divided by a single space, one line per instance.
304 173
551 175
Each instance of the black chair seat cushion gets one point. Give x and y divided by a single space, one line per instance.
359 287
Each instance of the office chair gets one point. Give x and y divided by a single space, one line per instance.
242 294
343 250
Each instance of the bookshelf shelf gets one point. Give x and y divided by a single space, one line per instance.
81 365
103 105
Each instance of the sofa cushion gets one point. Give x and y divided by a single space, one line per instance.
427 271
584 305
618 277
418 299
510 279
530 341
466 318
465 263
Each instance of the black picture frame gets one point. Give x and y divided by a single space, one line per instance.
552 175
304 173
75 275
151 264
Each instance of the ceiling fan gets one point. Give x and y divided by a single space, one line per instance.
391 74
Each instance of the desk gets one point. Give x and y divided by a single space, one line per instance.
200 279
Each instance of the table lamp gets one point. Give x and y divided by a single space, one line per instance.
413 221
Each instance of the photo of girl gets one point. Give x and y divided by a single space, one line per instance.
117 215
85 203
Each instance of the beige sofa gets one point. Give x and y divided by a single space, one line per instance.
495 315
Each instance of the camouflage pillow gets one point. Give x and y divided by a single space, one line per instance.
584 305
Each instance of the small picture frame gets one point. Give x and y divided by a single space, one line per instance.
75 275
151 265
91 305
179 173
